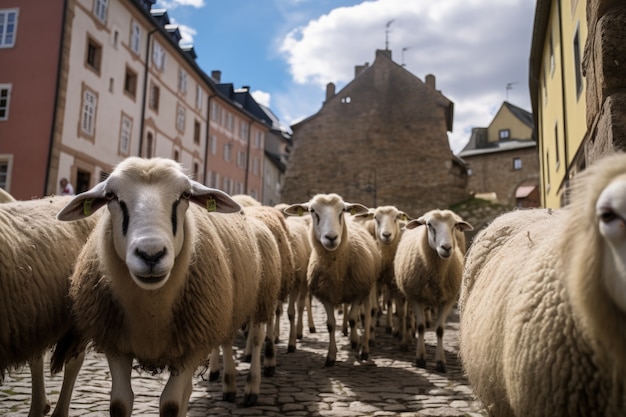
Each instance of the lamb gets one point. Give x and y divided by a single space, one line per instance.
161 280
37 254
428 268
343 266
543 304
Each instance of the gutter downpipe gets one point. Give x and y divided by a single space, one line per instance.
207 136
145 92
247 172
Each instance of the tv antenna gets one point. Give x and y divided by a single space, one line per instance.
387 34
404 49
509 86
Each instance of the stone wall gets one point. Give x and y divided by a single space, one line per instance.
605 76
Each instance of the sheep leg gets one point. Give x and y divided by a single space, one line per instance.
301 303
247 353
122 395
279 314
331 325
309 309
72 368
420 355
175 396
367 326
403 312
291 314
214 364
39 404
353 317
373 312
269 363
229 382
442 316
253 382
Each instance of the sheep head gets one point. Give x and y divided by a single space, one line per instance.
440 226
388 219
147 200
327 212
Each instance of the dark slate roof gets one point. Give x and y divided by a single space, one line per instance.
243 99
524 116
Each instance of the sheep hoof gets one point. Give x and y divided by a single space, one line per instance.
329 363
354 345
365 356
247 358
344 332
229 397
441 367
420 363
269 371
312 330
276 341
214 376
250 400
299 336
291 348
117 408
169 409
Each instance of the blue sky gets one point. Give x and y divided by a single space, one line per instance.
288 50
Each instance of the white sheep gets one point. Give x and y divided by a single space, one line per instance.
161 280
543 304
37 254
428 269
343 266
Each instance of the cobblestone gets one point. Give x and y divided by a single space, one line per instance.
385 385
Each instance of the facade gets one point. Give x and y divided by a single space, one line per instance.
120 84
503 159
557 89
381 140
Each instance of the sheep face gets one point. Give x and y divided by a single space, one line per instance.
388 220
327 211
611 214
440 226
147 200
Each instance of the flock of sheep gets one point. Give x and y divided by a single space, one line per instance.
153 267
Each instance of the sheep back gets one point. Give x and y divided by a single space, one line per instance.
212 291
37 253
523 352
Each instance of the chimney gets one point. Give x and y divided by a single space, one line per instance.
385 52
217 76
358 69
430 81
330 91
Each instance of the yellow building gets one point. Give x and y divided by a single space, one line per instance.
557 91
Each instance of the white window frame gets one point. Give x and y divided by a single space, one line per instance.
5 100
100 9
199 97
158 56
182 81
258 140
126 127
8 30
243 129
241 159
517 163
227 152
88 113
5 179
180 118
135 37
213 145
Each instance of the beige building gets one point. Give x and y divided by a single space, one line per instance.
124 85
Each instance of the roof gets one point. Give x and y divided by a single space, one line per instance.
501 146
524 191
523 116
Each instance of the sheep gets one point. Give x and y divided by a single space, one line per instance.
543 304
161 280
428 269
343 266
5 197
36 257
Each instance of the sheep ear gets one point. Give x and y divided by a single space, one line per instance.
365 216
355 208
297 209
403 216
463 226
212 199
415 223
84 204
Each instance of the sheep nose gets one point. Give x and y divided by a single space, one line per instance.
446 247
331 237
151 259
386 235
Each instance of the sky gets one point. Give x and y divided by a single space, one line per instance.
287 51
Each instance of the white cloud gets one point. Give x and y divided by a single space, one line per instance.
261 97
172 4
474 48
187 33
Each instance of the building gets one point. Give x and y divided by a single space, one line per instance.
117 83
503 159
381 140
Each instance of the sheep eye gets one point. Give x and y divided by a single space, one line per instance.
186 195
317 217
110 196
607 216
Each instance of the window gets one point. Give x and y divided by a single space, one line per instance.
153 100
126 128
176 155
130 82
213 179
215 111
100 9
199 97
149 145
504 134
5 100
258 140
158 56
577 65
180 118
517 164
213 145
8 27
135 37
182 81
239 188
196 170
241 159
227 149
556 146
230 124
243 130
88 117
196 132
255 166
5 170
93 56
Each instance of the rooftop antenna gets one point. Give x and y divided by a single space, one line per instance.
509 86
404 49
387 34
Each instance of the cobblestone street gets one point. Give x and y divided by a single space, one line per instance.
386 385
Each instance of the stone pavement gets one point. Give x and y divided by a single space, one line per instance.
386 385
